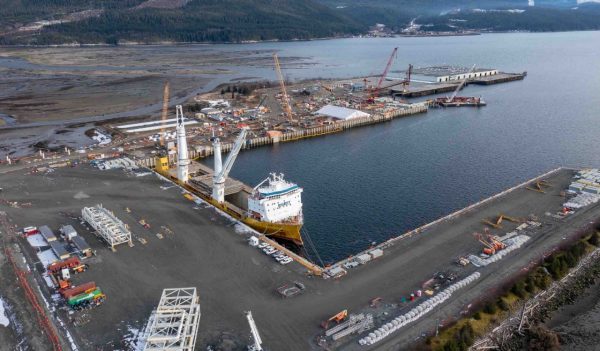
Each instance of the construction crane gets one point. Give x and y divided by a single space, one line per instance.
375 92
221 170
462 83
255 116
165 112
256 340
284 96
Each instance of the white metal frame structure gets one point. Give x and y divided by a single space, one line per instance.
257 341
173 326
107 225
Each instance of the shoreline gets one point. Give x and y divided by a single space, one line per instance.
249 42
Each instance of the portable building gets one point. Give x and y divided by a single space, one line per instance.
82 246
59 250
47 233
68 231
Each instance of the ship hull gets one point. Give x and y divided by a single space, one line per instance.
285 231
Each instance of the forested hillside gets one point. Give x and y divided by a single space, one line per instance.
42 22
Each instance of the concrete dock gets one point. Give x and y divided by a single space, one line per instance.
209 251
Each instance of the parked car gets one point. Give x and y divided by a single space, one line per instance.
262 245
286 260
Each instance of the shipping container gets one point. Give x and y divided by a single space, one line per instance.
79 289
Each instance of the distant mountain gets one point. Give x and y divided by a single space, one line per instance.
112 21
44 22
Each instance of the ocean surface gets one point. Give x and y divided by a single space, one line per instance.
372 183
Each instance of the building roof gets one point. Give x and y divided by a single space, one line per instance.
68 230
439 71
341 112
81 244
59 249
47 233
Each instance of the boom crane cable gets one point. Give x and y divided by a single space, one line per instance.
462 83
285 97
313 247
165 111
375 91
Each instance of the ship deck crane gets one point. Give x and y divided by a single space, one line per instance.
284 95
462 83
257 341
221 170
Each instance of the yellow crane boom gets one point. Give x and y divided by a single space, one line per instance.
284 96
165 110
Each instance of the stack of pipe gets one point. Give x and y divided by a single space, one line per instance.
417 312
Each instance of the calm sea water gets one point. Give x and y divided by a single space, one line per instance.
369 184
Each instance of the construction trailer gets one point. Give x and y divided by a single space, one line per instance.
107 225
47 233
173 325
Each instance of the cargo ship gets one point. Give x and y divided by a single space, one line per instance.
273 207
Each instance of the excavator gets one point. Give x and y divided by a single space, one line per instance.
498 222
489 248
539 186
337 318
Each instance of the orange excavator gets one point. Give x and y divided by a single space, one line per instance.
337 318
498 222
489 248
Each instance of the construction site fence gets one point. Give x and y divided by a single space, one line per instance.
205 151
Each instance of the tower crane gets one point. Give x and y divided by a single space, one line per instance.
165 111
222 170
462 83
375 91
284 96
257 341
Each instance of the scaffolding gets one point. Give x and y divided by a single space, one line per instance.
107 225
174 324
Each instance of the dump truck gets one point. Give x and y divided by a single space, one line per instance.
79 289
89 298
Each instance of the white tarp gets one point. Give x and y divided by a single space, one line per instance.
36 240
47 257
3 318
341 112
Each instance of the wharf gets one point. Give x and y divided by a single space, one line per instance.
418 89
208 251
499 78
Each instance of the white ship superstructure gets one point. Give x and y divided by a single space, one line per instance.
276 200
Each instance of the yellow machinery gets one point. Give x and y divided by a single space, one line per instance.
498 222
338 318
162 165
539 186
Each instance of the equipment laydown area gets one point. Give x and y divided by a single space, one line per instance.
181 243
